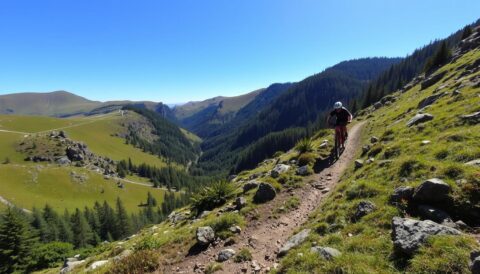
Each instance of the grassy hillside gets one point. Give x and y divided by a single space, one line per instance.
403 159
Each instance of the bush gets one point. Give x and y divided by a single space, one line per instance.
289 180
149 242
212 268
222 224
52 254
304 145
278 187
306 159
212 196
243 256
139 262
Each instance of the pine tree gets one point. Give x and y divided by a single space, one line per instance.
467 31
39 223
16 242
52 220
82 233
123 223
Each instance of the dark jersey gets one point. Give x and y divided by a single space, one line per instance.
342 116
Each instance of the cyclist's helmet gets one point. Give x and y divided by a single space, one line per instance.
337 105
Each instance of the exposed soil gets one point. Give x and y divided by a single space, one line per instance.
264 236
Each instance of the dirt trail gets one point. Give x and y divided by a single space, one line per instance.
263 237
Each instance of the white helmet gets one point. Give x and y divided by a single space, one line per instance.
337 105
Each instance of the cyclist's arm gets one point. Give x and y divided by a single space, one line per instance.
350 116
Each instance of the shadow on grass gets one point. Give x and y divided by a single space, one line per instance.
196 249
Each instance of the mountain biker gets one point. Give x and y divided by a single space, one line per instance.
343 118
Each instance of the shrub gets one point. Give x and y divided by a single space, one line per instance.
243 255
442 154
212 196
212 268
321 228
149 242
139 262
290 204
52 254
306 159
304 145
222 224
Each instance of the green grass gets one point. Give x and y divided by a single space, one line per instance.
8 145
33 124
34 185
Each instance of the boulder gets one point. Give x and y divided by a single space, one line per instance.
358 163
473 118
365 149
97 264
363 208
176 217
436 215
294 241
303 171
419 118
235 229
431 191
374 139
433 79
240 203
475 162
225 254
377 105
327 253
409 234
205 235
249 185
63 161
475 264
279 169
70 264
403 193
430 100
265 193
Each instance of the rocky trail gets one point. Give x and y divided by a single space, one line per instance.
266 235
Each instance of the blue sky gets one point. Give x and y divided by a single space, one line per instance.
181 50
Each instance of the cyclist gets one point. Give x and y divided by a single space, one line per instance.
343 117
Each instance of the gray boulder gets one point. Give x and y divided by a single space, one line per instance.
63 161
436 215
249 185
265 193
374 139
97 264
294 241
358 163
205 235
475 264
475 162
363 208
432 191
327 253
303 171
377 105
433 79
403 193
365 149
70 264
419 118
409 234
431 99
225 254
279 169
240 203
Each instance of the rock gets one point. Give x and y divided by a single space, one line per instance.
240 203
235 229
409 234
430 100
475 264
370 160
365 149
255 266
303 171
374 139
204 214
294 241
225 254
265 193
70 264
327 253
250 185
419 118
403 193
377 105
473 118
122 255
461 225
473 163
205 235
433 79
176 217
432 191
97 264
279 169
229 242
63 161
358 163
436 215
425 142
363 208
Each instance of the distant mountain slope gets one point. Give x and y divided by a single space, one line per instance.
50 103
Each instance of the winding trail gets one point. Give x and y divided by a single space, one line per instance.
264 236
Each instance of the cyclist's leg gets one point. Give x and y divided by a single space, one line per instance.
345 134
340 135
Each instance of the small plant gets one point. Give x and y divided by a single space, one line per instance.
243 255
212 268
212 196
361 190
442 154
453 171
222 224
139 262
288 205
306 159
149 242
304 145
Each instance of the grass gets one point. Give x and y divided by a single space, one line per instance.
33 124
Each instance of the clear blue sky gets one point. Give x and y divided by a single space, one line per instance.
181 50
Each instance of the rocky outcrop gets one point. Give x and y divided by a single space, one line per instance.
431 191
419 118
475 162
265 193
327 253
303 171
279 169
205 235
359 163
409 234
400 194
294 241
97 264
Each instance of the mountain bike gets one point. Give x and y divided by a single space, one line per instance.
337 150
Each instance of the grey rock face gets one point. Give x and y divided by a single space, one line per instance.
419 118
294 241
250 185
205 235
377 105
265 193
225 254
436 215
327 253
432 191
403 193
63 161
365 149
279 169
409 234
363 208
